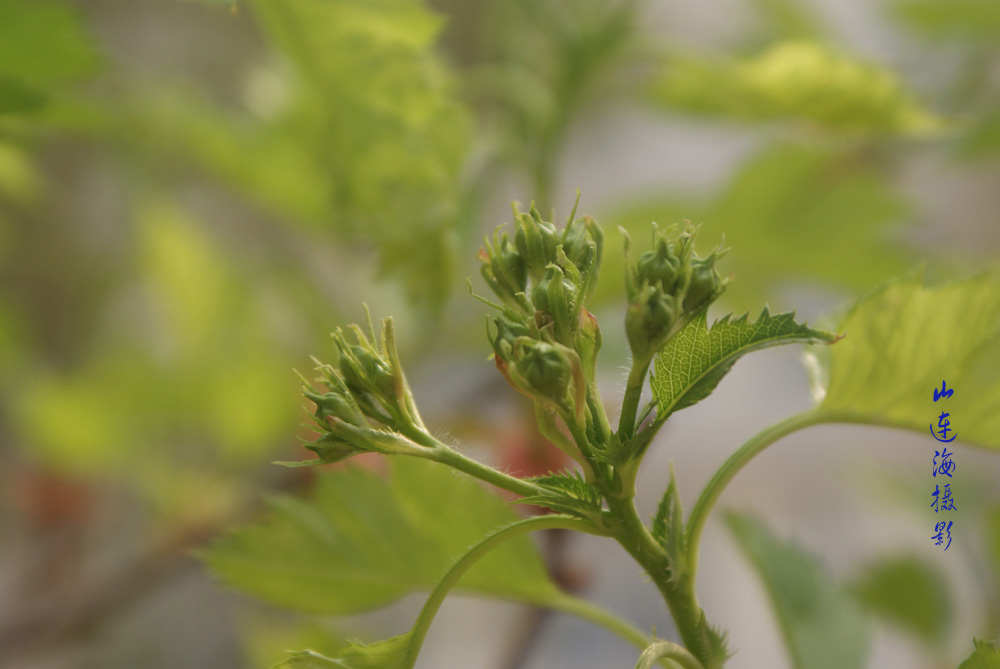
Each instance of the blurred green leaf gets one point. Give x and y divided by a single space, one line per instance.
189 392
986 656
42 45
902 341
376 106
823 628
952 19
909 594
693 363
790 213
362 542
796 81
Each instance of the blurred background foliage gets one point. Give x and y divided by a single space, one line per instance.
192 194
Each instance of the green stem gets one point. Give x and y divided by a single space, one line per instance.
732 466
454 459
437 596
633 393
667 650
671 580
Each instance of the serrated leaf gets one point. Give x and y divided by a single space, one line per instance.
909 594
668 524
822 626
570 493
986 656
797 80
691 364
902 341
361 542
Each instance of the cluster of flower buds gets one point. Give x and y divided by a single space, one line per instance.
545 342
666 288
365 385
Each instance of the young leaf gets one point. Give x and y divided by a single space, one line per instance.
909 594
691 365
986 656
902 341
668 525
569 493
823 627
362 542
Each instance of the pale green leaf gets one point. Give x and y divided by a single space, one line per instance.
362 542
902 341
986 656
908 594
822 626
797 81
691 364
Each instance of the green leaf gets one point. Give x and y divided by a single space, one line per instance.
902 341
42 46
668 524
567 493
362 542
691 364
797 80
376 108
823 628
909 594
986 656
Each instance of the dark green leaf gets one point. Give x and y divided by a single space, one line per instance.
691 364
822 626
362 542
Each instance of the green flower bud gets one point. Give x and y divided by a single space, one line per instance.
335 405
536 241
649 320
587 343
504 270
660 266
705 286
363 370
544 368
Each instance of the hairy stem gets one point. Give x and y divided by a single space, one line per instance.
456 460
671 580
